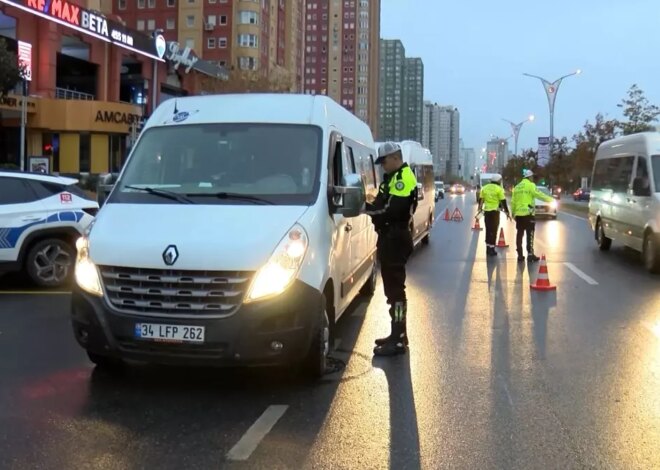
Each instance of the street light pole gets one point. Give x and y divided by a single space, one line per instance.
516 130
551 89
23 120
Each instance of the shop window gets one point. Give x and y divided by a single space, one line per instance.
85 152
117 151
131 88
51 148
76 76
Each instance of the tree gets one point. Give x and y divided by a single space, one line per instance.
247 81
640 113
10 71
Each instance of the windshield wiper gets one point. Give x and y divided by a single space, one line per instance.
163 193
238 196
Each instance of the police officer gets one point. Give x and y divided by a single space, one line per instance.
491 200
523 205
391 212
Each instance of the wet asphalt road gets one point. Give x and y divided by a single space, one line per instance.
497 377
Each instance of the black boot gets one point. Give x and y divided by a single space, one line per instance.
533 258
521 257
398 340
381 341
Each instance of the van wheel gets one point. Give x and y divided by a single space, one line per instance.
650 253
427 237
49 263
604 243
315 364
369 287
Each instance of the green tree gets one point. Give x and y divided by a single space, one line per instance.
639 112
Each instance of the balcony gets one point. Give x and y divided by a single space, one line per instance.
64 94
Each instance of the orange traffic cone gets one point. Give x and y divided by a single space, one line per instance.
447 216
476 224
542 282
501 243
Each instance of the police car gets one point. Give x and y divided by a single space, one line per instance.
41 217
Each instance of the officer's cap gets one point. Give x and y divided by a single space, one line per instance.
528 173
387 149
496 178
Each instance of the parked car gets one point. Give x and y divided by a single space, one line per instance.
582 194
546 209
41 217
234 236
625 201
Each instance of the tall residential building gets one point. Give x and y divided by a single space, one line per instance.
497 154
468 161
342 54
441 134
391 90
413 99
265 36
401 91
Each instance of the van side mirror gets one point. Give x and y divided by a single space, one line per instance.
104 186
349 198
641 187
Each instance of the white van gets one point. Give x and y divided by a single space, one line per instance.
420 161
625 204
235 235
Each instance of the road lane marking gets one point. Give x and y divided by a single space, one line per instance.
588 279
261 427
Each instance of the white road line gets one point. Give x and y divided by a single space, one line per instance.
589 280
261 427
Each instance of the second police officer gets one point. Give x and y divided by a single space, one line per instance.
391 212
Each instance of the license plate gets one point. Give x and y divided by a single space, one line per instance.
170 333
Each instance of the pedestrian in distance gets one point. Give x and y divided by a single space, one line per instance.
391 212
523 205
491 200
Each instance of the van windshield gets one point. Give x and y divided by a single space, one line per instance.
273 163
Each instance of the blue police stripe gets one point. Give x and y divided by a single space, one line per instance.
9 236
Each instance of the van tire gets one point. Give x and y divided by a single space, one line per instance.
604 243
54 256
315 363
369 287
650 253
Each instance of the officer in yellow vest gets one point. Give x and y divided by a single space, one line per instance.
491 200
391 212
523 204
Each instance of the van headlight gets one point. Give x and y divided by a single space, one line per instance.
554 204
282 267
87 276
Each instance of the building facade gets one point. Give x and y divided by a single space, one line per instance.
468 162
441 134
413 98
91 83
263 35
497 154
342 54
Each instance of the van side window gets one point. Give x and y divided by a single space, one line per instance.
613 174
351 159
642 168
337 165
372 169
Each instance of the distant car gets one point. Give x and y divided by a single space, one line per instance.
41 217
546 209
457 189
439 190
582 195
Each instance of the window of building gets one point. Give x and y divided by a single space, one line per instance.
223 19
210 43
151 25
190 21
222 63
151 3
222 43
211 20
141 4
171 23
248 17
121 4
85 152
247 63
171 3
190 43
247 40
140 25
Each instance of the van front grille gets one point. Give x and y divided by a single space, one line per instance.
156 292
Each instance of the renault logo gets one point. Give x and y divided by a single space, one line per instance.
170 255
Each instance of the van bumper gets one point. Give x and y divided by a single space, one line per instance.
243 339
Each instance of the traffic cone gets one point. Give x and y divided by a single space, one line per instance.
501 243
447 216
476 226
542 282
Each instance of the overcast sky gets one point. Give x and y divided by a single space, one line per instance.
475 52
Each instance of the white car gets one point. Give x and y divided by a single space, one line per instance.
41 217
546 209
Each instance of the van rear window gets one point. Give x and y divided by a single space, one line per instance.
655 165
